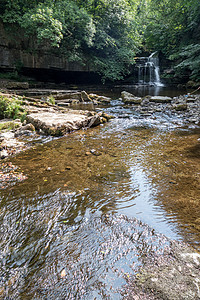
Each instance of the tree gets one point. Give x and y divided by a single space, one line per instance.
104 32
173 28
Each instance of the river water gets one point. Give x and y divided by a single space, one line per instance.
95 202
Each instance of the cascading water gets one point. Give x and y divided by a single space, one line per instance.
148 70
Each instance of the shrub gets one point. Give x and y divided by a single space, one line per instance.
11 108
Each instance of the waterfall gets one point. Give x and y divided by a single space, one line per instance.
148 70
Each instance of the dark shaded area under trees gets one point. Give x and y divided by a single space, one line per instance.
108 34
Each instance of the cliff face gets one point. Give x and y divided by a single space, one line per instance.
13 52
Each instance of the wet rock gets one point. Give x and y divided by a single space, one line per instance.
95 152
69 95
25 130
85 97
160 99
95 121
129 98
87 153
191 99
3 154
102 99
68 168
106 116
180 106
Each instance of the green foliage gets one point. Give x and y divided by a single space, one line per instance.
189 58
173 28
104 33
51 99
41 22
10 75
11 108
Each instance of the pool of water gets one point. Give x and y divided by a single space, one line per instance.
95 202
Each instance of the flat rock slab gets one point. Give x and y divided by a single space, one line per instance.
58 124
160 99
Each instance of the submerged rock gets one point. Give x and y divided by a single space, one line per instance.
172 276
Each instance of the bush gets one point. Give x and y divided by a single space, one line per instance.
11 108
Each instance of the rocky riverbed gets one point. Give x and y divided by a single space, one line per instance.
186 106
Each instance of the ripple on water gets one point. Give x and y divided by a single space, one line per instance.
92 258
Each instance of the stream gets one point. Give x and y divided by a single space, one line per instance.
95 202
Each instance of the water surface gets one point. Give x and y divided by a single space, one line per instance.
64 230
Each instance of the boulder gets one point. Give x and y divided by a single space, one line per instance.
180 106
78 96
25 130
85 97
160 99
129 98
69 95
104 99
96 98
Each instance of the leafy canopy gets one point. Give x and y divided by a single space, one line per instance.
107 34
104 33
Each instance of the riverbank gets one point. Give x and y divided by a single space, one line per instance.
35 117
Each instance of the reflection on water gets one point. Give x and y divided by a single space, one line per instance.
138 90
59 220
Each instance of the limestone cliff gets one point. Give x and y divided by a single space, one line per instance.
14 52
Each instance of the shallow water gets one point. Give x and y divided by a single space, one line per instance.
60 237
